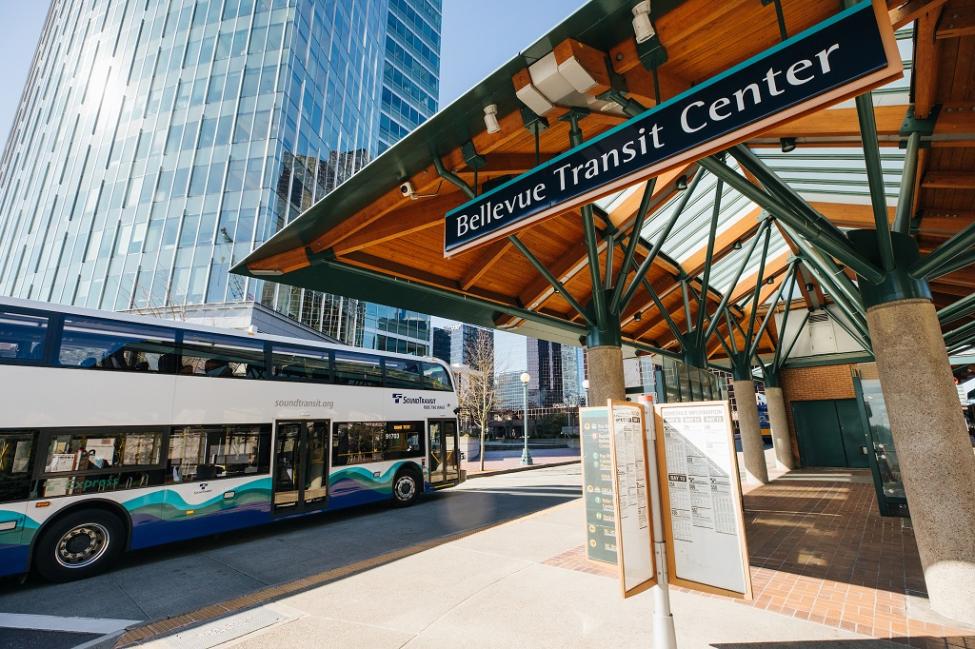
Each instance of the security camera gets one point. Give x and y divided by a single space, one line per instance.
642 27
407 190
491 118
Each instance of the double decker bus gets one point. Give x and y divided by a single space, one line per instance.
122 432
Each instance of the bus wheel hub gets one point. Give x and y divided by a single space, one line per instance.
82 545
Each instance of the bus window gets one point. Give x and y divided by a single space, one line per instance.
404 373
403 439
361 442
209 452
357 369
21 337
437 377
100 460
222 356
300 364
112 345
15 458
358 442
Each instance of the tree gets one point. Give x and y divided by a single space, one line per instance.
477 391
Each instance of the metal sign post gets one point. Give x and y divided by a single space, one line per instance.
664 635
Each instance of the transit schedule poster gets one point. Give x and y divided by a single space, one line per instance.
702 496
634 510
597 477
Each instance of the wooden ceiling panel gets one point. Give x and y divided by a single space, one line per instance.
403 238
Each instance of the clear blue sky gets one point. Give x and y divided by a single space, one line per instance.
20 29
478 37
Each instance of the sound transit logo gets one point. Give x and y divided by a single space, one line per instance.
399 397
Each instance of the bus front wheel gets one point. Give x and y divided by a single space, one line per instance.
406 487
81 544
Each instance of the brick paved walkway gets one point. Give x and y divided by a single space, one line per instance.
820 551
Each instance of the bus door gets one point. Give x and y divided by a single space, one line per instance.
300 465
15 483
444 452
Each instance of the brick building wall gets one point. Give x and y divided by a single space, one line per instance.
815 384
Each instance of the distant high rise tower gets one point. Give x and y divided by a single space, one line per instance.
545 370
157 144
441 344
458 342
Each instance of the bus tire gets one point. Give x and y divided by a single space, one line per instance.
78 545
407 486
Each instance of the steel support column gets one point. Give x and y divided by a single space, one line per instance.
788 281
960 309
762 230
875 178
819 231
648 261
947 251
630 252
557 286
905 197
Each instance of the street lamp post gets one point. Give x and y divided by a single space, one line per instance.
526 456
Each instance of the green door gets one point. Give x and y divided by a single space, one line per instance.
831 433
854 433
819 434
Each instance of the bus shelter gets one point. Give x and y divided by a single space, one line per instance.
857 205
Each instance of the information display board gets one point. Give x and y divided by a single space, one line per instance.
631 497
597 478
701 495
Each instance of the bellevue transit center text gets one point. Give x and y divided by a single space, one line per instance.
807 65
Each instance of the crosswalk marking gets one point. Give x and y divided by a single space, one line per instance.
57 623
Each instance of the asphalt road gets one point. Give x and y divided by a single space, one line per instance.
170 580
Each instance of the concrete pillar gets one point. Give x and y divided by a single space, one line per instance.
935 454
779 423
751 435
605 374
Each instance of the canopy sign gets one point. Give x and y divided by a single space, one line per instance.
840 57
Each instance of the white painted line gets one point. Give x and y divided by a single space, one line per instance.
102 641
56 623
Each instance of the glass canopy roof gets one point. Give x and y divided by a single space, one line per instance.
819 174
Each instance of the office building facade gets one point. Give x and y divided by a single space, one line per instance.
441 344
545 369
465 345
156 144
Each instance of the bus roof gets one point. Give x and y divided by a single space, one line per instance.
190 326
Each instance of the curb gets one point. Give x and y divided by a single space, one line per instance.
519 469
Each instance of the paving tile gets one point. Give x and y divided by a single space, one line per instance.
821 552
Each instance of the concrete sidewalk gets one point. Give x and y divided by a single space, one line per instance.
506 460
501 588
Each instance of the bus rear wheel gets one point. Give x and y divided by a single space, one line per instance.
406 487
81 544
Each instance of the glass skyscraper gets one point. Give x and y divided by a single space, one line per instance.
156 144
